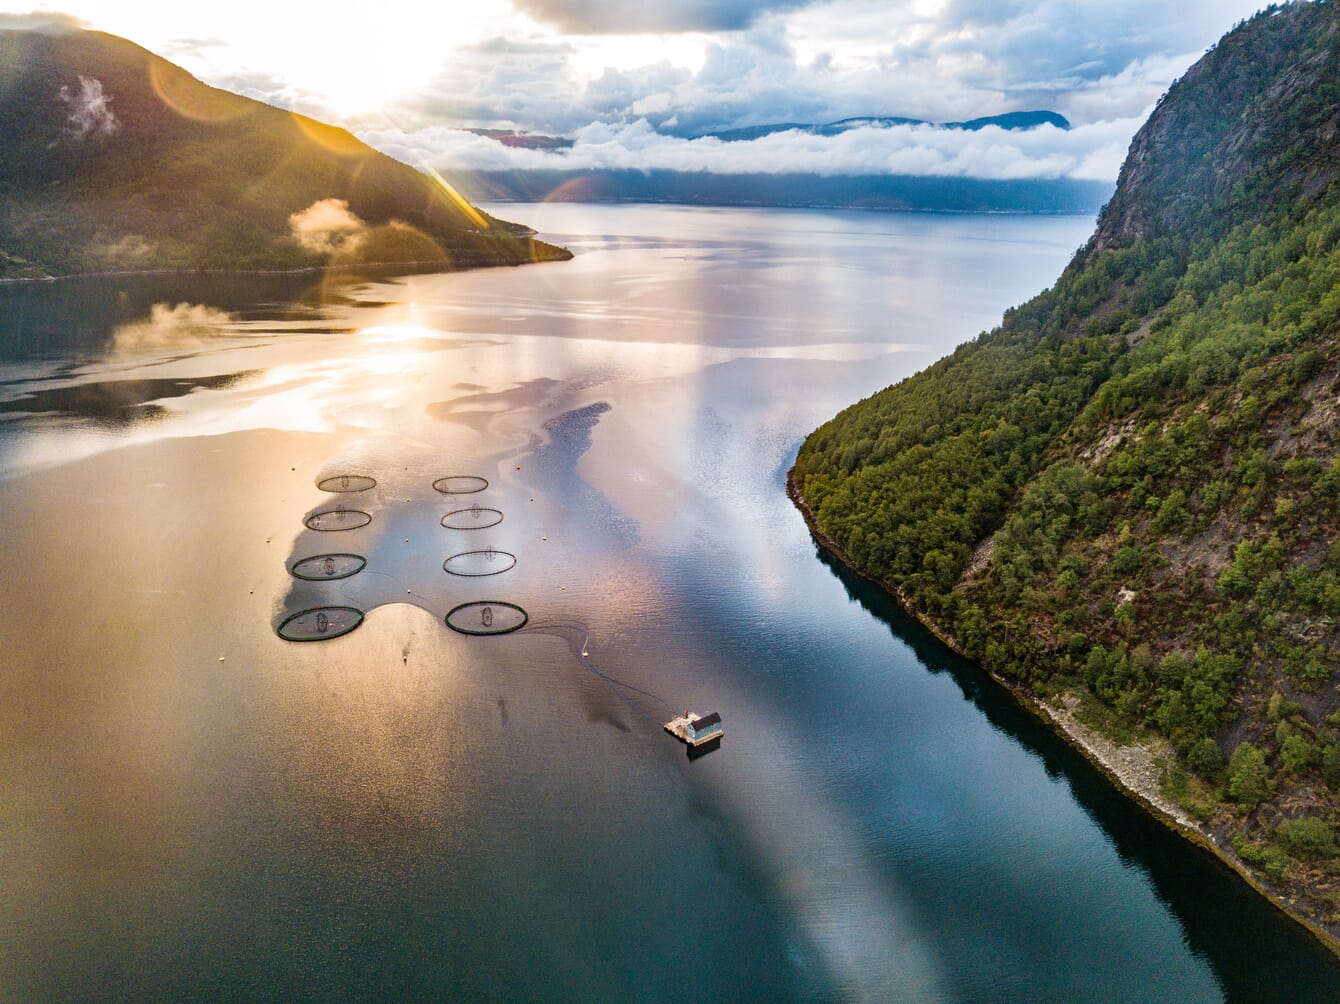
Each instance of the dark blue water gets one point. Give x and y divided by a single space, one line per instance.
193 808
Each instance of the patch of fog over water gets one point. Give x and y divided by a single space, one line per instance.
191 802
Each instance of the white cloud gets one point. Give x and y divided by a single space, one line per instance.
327 226
90 109
1135 88
1090 152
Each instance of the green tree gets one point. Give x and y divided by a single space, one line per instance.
1248 775
1308 837
1296 753
1205 758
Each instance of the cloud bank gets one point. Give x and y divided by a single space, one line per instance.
1092 152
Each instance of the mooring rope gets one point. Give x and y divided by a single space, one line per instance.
583 656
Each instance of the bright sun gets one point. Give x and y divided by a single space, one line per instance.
345 60
351 57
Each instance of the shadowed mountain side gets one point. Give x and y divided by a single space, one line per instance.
115 159
893 192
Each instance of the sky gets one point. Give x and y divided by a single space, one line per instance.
636 84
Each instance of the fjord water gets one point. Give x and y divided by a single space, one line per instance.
193 808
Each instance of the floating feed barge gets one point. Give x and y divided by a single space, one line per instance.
694 729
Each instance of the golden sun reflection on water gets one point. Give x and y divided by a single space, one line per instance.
148 580
369 735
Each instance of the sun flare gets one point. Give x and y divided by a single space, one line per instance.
350 60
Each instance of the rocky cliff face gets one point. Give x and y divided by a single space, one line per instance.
1253 125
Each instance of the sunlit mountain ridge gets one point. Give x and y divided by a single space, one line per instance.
116 159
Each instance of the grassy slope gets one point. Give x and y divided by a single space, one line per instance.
196 177
1131 488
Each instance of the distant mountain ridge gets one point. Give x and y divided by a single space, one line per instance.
1009 121
116 159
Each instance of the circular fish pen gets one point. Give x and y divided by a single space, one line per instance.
476 563
483 617
324 567
474 518
347 483
338 519
319 623
461 484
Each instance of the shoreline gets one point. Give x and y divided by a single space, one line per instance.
1132 770
378 269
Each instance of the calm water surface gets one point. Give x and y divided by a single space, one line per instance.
193 808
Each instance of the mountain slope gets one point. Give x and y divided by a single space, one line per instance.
1125 500
117 159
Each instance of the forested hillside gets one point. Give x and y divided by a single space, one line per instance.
114 159
1130 490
